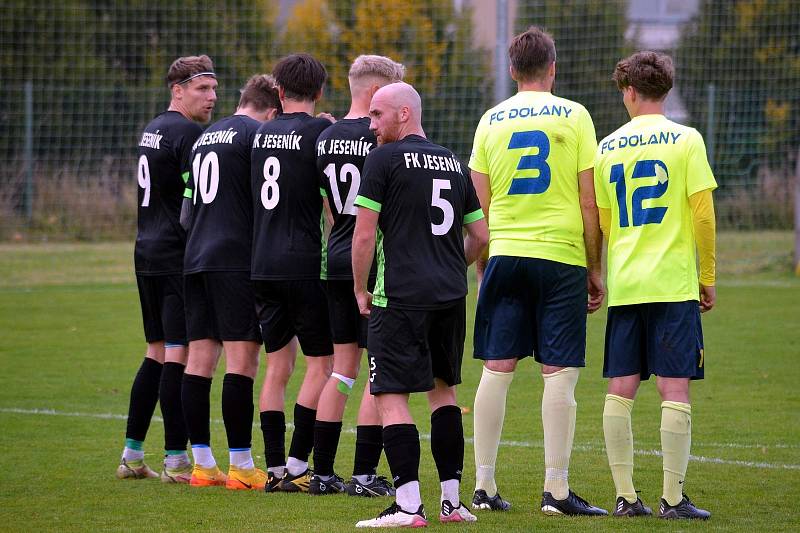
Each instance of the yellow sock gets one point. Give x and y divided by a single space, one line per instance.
676 440
490 410
558 421
619 444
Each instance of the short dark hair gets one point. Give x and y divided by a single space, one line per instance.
185 67
260 92
531 53
650 73
300 75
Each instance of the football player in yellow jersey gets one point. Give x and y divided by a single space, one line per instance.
653 185
531 166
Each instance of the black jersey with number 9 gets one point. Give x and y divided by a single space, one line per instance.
162 172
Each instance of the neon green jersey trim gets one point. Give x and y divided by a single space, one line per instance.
363 201
472 217
185 177
187 193
323 192
379 293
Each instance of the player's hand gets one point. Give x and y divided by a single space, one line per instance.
708 297
364 300
597 291
327 116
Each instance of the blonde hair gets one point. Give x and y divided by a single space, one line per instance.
372 66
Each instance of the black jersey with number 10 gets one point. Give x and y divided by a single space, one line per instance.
287 206
221 233
424 196
162 172
341 151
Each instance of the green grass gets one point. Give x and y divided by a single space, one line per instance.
71 342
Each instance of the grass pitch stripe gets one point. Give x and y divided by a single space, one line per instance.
512 443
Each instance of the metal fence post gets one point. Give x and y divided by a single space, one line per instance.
797 215
501 82
710 121
27 200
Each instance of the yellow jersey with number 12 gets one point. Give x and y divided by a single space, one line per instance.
644 173
532 147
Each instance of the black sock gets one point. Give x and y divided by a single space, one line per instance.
273 426
175 436
369 444
303 436
401 444
144 397
237 410
326 441
196 394
447 442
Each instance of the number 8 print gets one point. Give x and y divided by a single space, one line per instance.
270 193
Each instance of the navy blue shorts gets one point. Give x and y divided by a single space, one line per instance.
665 339
529 306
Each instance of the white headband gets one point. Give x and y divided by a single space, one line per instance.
195 76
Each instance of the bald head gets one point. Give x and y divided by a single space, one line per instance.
395 112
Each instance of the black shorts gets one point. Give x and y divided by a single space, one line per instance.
221 306
161 298
289 308
347 324
409 348
665 339
532 306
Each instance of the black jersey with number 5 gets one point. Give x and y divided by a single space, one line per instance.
221 233
424 196
162 172
341 151
287 206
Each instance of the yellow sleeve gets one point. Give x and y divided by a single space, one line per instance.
698 172
600 188
587 142
605 221
702 205
477 159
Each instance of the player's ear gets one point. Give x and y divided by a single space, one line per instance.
281 93
270 114
512 73
318 95
551 71
177 91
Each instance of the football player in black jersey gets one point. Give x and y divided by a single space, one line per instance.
288 266
163 169
418 196
341 150
220 307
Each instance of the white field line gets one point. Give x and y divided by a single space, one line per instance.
509 443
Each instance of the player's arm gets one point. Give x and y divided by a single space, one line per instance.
363 252
326 206
476 240
480 182
187 206
592 238
702 204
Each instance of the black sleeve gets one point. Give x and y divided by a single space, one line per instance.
472 204
374 179
183 148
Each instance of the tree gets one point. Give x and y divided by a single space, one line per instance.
749 51
431 38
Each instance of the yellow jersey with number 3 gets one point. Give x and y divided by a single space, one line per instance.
644 173
532 147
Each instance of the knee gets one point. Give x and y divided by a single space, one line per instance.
319 367
501 365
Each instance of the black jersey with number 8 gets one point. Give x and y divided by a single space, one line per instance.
287 205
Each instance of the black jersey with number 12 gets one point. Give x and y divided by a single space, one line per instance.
162 172
288 242
424 196
221 234
341 151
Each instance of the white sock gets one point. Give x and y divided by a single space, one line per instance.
176 461
408 497
203 456
364 478
558 420
132 455
450 491
277 471
295 467
242 458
